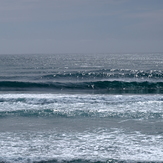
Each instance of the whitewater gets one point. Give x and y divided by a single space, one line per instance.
77 108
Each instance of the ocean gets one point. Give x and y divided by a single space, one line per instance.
81 108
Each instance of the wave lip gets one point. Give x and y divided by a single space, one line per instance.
95 86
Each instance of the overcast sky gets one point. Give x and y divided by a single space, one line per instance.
81 26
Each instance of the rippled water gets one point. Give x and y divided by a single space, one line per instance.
81 108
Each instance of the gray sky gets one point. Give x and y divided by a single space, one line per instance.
81 26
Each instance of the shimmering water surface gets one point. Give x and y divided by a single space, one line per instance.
81 108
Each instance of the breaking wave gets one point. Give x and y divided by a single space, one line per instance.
96 86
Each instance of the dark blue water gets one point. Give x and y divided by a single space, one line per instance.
81 108
90 73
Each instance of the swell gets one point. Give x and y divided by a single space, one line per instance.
87 161
91 161
96 86
78 161
82 113
107 73
101 74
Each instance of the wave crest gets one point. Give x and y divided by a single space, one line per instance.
96 86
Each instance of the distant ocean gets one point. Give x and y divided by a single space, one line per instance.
81 108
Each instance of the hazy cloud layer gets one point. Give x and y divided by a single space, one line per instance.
65 26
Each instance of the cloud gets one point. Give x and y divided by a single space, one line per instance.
80 25
38 10
14 11
145 14
148 24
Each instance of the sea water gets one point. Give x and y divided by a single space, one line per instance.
81 108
